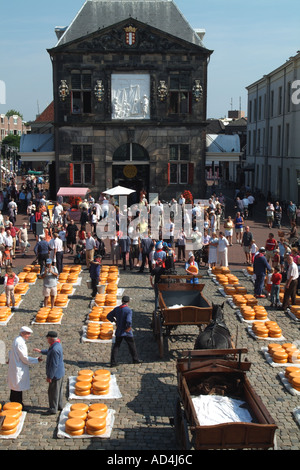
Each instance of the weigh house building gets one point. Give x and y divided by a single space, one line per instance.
130 87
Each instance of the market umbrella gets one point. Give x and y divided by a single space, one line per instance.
119 191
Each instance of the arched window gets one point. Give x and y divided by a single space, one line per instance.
131 153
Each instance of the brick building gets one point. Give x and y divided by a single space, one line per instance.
13 125
130 87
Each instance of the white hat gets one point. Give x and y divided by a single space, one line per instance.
25 329
191 254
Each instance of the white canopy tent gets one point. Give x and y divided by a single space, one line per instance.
119 191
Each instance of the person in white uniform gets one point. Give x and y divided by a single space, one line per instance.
223 250
18 366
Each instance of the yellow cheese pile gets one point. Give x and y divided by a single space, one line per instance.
49 315
12 412
267 329
287 352
5 313
89 382
102 331
86 419
255 312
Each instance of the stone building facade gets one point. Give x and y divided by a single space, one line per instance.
130 100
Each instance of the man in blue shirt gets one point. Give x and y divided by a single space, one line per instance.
122 316
55 371
41 250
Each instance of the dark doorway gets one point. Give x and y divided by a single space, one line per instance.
138 182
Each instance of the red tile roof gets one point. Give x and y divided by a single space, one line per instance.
47 115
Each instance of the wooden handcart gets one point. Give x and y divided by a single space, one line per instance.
196 369
180 303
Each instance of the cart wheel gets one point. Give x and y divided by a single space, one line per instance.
160 337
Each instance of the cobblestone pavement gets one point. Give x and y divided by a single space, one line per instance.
149 390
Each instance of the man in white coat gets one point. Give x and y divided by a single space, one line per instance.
18 366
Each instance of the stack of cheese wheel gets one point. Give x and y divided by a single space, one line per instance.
75 426
222 279
240 290
278 353
104 313
72 277
42 315
96 419
229 289
112 277
293 352
31 278
22 275
260 312
274 329
225 270
66 289
12 412
5 313
106 331
291 372
239 300
3 300
111 300
295 309
93 331
83 383
58 287
111 288
232 279
55 315
100 300
251 300
247 312
21 288
28 268
36 269
260 329
101 382
216 269
61 300
95 313
250 270
62 278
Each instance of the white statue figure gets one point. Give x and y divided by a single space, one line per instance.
145 105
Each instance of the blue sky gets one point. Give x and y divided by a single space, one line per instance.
249 39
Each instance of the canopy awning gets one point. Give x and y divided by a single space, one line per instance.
81 192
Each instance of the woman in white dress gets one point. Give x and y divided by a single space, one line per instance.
213 250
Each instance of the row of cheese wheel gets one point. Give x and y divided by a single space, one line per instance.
267 329
295 309
65 288
255 312
102 331
108 274
29 277
220 270
49 315
287 352
12 412
99 313
60 300
234 289
86 419
89 382
297 299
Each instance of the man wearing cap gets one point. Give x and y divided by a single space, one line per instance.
290 288
55 371
122 316
49 275
146 248
41 250
260 266
18 366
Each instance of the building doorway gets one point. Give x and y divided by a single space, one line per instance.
131 170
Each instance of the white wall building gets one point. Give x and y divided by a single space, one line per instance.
273 132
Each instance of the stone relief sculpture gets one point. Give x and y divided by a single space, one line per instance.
130 96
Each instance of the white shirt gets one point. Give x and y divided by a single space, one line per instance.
90 243
18 365
223 244
292 272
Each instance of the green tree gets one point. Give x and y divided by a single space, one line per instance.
13 112
11 141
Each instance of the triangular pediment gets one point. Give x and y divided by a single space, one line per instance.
129 35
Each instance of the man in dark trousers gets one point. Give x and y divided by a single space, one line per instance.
122 316
260 266
146 248
155 278
41 250
95 268
55 371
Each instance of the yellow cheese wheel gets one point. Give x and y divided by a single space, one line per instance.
74 424
100 392
95 424
12 405
80 406
74 433
9 423
82 393
290 369
78 414
280 356
97 407
296 383
8 432
102 373
292 375
11 413
289 346
98 414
